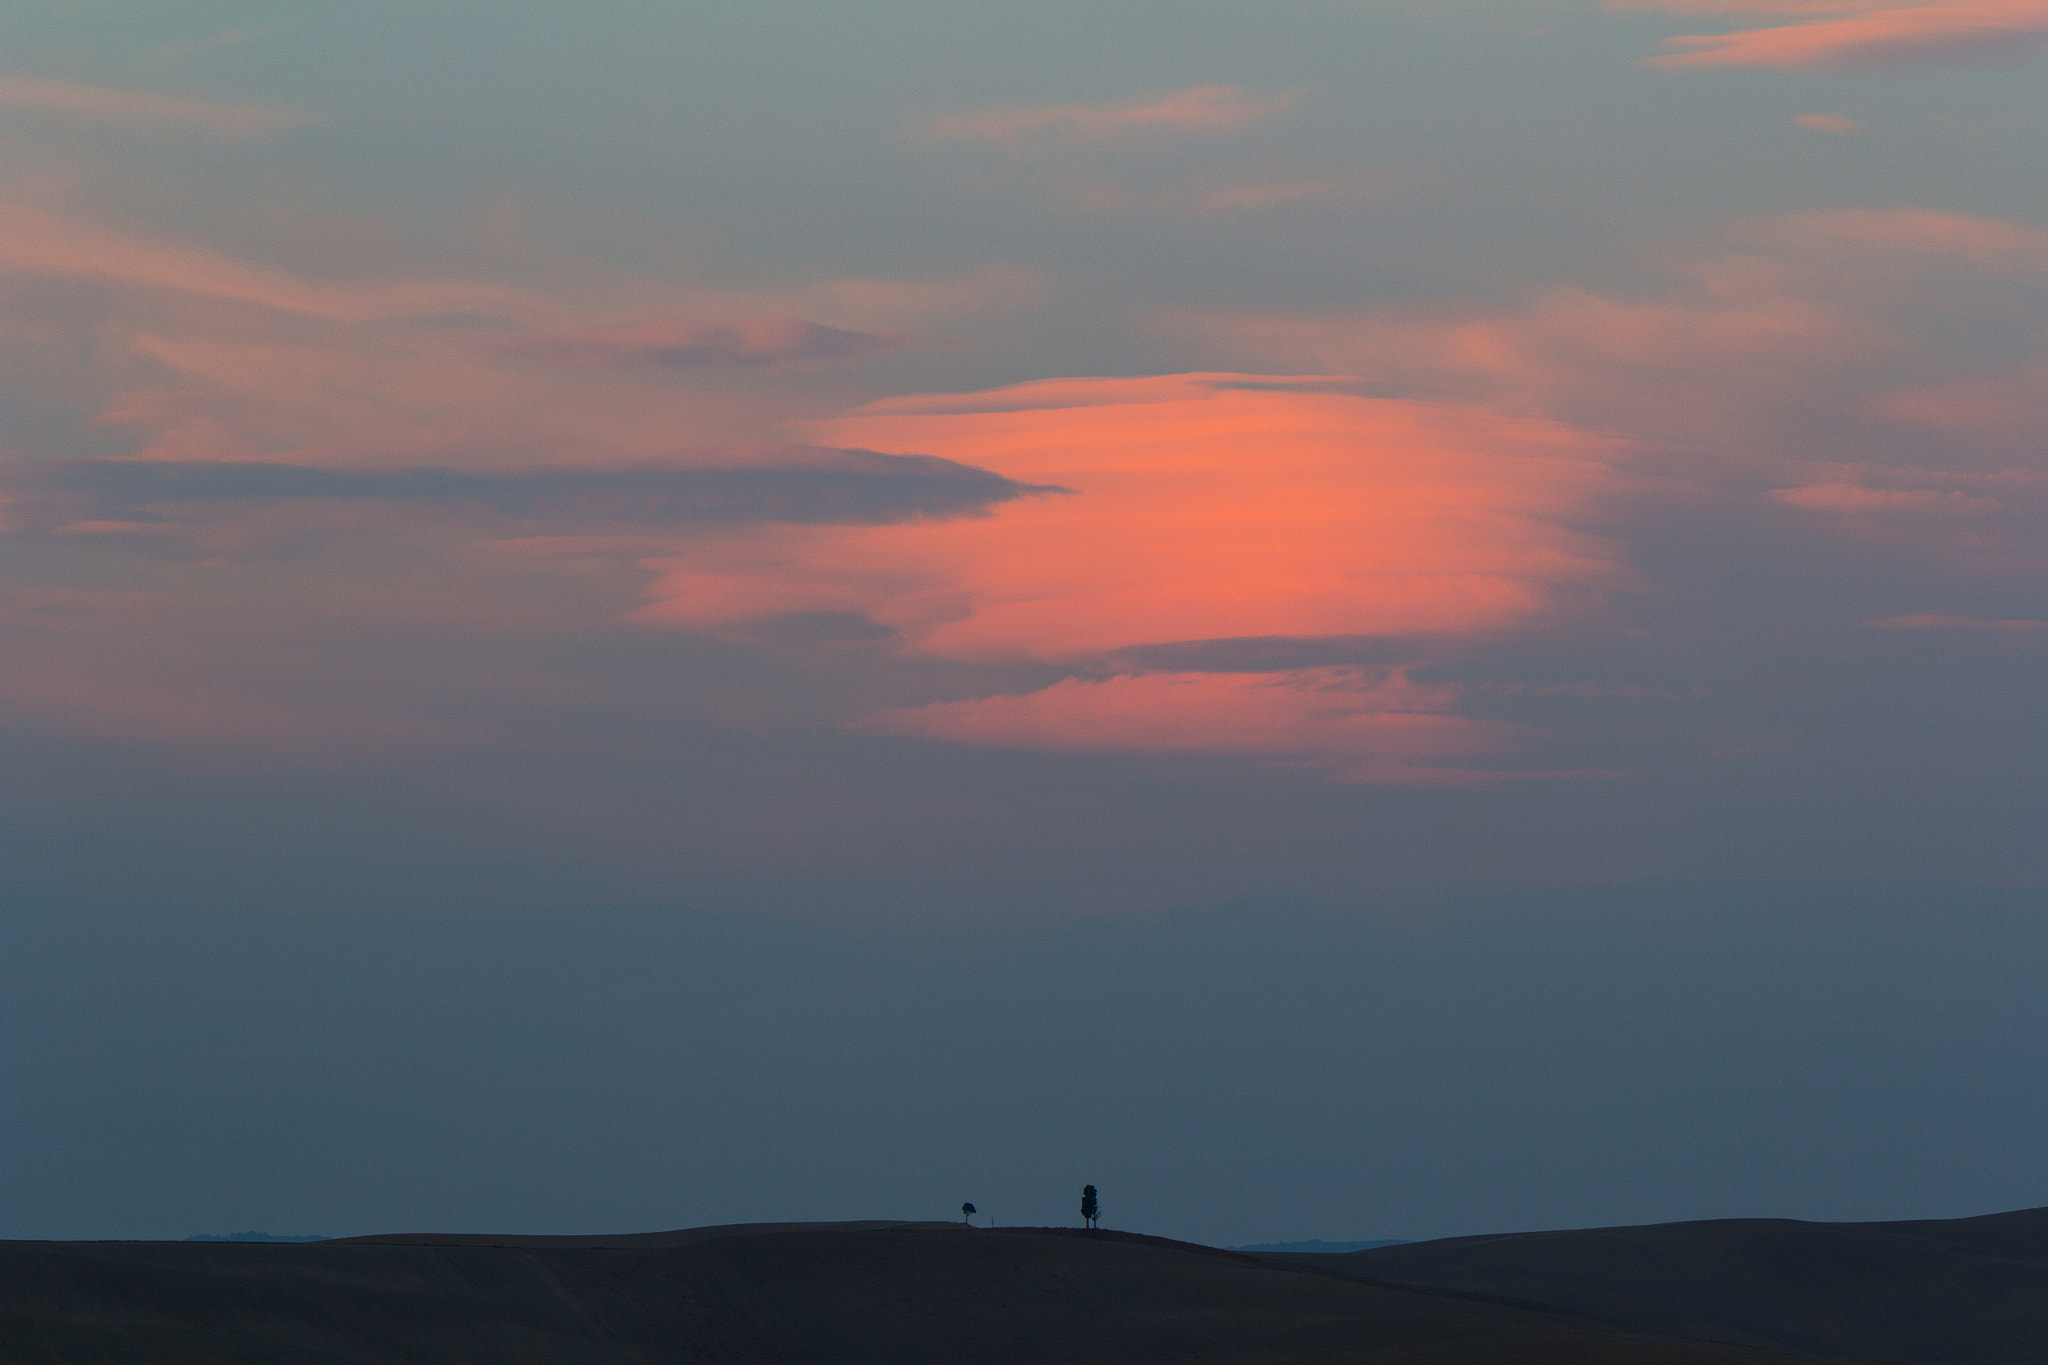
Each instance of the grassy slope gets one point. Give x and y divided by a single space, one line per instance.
1967 1291
881 1293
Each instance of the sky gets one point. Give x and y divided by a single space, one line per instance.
1346 618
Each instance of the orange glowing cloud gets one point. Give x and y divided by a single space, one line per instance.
1204 109
1847 34
1367 726
1195 508
1776 361
1198 507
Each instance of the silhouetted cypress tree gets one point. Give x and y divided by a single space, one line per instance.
1089 1205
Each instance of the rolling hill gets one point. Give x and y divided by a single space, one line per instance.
1964 1291
750 1295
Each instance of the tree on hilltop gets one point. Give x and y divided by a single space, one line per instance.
1090 1206
967 1212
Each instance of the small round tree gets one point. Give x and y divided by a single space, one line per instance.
967 1212
1089 1205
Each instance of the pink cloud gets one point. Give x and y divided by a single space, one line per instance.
209 356
1791 354
211 722
221 358
1975 522
1080 157
696 343
1359 725
1202 507
1848 34
1845 499
1706 364
1929 621
169 348
1246 194
139 111
2005 411
199 694
885 304
36 241
1253 194
1816 314
1203 109
1868 241
1827 123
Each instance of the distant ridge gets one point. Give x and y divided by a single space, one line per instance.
1961 1291
1317 1246
250 1237
620 1241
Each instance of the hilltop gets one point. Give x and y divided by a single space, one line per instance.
1963 1291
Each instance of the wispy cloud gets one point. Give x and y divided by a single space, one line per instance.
698 343
1978 522
2005 411
185 48
1848 34
1848 499
1239 195
1359 725
37 241
1819 314
1203 109
1827 123
210 355
1782 362
865 304
794 486
1252 193
198 694
142 112
1930 621
1111 158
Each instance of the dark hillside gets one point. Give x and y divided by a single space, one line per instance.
883 1293
1965 1291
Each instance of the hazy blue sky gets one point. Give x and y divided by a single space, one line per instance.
1348 619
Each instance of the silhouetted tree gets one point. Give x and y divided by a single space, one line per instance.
1089 1206
967 1212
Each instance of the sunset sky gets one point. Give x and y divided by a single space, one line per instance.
485 488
